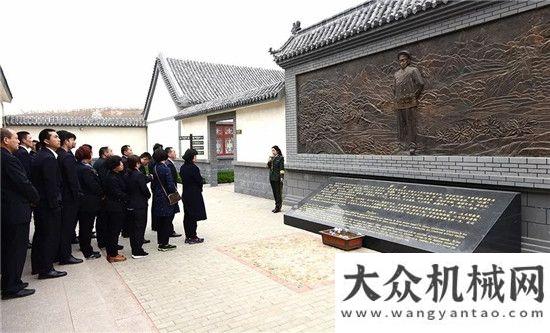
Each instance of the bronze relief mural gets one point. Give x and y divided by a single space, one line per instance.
480 91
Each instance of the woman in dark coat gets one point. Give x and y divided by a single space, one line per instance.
193 203
276 165
139 194
116 201
162 211
91 201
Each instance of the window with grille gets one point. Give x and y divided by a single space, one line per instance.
224 139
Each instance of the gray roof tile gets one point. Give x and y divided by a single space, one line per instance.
365 17
198 82
104 117
248 97
5 93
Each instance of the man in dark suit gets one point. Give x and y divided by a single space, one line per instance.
170 163
46 177
70 197
99 166
17 196
25 152
126 152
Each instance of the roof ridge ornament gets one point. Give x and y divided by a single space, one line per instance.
295 28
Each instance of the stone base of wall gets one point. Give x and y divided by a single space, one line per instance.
535 205
253 179
204 167
225 163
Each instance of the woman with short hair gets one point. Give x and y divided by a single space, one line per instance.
90 203
193 202
162 211
116 201
139 194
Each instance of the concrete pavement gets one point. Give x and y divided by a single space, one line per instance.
252 273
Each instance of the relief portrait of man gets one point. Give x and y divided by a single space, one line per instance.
407 87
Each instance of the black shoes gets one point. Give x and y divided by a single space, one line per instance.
51 274
175 234
194 240
94 255
21 293
167 247
146 241
276 210
75 241
119 247
94 235
71 261
140 255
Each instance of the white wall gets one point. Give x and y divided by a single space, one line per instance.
165 133
197 126
162 105
114 137
161 126
262 126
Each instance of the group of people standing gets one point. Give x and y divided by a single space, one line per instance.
62 189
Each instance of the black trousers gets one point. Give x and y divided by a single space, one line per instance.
277 187
68 217
154 221
101 228
189 225
127 225
15 238
45 242
164 229
139 222
114 225
86 221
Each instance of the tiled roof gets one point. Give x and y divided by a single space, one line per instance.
253 96
354 21
104 117
5 93
193 82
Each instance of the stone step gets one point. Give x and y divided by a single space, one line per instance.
530 247
535 241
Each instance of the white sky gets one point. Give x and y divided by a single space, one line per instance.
77 54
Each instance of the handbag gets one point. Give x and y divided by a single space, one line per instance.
173 198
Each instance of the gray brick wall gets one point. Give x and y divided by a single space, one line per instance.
535 207
253 179
530 176
506 171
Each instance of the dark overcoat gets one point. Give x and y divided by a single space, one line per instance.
90 185
193 202
161 206
116 196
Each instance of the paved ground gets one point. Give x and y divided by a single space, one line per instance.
253 273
